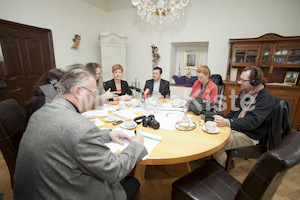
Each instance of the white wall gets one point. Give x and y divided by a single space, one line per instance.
213 21
65 18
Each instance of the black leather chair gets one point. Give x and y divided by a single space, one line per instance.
279 126
12 122
211 181
217 79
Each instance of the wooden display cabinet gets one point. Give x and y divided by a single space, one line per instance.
275 55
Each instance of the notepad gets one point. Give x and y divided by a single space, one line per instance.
150 142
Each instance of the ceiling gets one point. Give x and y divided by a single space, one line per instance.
111 5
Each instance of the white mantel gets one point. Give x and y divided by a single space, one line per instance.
113 51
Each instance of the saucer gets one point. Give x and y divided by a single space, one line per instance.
217 130
179 106
112 120
131 127
185 128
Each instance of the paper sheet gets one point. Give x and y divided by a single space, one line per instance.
168 119
97 122
150 142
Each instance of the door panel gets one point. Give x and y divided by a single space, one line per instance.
27 54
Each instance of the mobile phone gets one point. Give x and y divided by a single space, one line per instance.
117 122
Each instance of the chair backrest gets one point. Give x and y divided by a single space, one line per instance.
12 122
217 79
266 176
280 125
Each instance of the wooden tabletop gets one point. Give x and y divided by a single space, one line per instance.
181 146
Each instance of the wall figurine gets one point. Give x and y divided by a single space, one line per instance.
155 55
76 41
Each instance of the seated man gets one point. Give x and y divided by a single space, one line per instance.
62 154
158 86
248 119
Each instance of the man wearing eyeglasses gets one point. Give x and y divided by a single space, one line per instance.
249 118
62 155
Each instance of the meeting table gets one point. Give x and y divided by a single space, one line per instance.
177 148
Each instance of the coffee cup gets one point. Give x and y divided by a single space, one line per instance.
128 122
211 126
110 117
135 104
177 103
122 106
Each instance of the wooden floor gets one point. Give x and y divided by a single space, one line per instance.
158 183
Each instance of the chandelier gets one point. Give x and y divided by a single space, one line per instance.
161 10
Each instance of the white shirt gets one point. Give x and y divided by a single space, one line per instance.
156 85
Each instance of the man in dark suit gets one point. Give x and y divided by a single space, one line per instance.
158 86
62 155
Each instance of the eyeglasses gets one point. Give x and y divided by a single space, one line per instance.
242 80
94 93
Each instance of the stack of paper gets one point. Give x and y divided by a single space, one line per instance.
150 142
95 113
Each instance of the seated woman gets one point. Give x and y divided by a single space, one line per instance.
38 99
204 88
95 70
116 84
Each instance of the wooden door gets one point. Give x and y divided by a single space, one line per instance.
27 52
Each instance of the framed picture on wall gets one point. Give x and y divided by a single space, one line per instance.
291 77
191 59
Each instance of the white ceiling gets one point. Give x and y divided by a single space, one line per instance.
111 5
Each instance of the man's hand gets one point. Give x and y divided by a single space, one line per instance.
158 95
221 121
117 135
138 138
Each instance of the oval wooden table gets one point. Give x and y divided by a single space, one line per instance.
177 148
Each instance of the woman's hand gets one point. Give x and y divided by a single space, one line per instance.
108 94
189 98
125 97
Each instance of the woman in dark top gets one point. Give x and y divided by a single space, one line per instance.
38 99
116 84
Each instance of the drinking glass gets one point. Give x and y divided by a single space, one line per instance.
201 119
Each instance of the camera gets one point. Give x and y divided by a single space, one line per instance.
148 121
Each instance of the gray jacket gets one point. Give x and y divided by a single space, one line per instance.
62 156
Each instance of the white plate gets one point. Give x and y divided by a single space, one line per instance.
125 127
217 130
114 119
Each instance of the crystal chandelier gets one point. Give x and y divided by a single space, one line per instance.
161 10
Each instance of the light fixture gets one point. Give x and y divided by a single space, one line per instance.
161 10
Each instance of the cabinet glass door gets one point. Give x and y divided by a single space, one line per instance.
245 55
294 56
266 54
280 56
240 56
251 56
